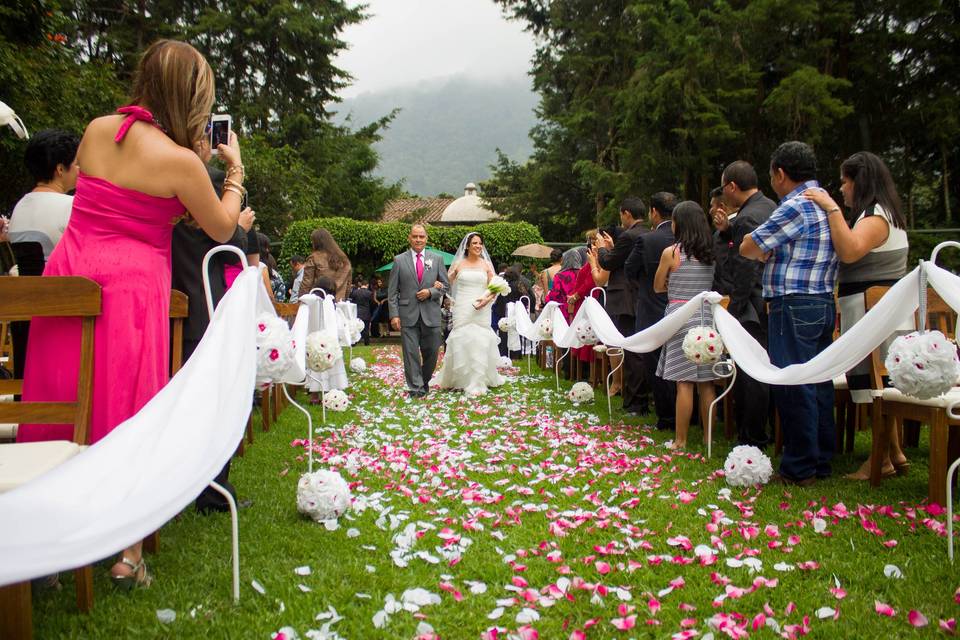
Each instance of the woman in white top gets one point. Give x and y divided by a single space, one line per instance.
872 253
42 214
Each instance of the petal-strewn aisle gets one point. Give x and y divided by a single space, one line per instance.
519 515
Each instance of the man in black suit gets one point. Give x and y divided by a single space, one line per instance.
642 265
622 296
739 209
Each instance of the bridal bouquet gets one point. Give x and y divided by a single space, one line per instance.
506 324
498 286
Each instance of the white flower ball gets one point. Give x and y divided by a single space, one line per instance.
323 495
580 392
505 362
323 351
336 400
275 348
747 466
356 325
585 333
923 365
546 329
358 364
703 345
506 324
600 348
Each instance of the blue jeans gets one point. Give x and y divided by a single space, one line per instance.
801 326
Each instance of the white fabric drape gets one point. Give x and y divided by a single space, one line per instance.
323 316
151 466
895 308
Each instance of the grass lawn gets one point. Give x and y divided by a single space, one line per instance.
524 513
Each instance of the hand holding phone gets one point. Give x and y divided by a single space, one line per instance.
220 125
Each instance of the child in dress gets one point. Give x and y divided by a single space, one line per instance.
686 269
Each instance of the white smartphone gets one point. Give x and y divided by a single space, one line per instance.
219 130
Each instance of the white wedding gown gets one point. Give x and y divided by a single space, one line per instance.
471 356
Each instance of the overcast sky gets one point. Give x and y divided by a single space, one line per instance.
406 41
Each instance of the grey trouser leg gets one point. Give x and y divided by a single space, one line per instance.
430 339
410 345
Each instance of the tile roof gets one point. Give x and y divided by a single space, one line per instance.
415 209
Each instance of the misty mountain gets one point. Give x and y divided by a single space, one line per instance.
448 130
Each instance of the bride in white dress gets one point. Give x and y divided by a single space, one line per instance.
471 356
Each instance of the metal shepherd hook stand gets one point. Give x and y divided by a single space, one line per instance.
231 503
723 369
523 341
952 409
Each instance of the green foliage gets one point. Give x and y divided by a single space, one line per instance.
48 88
61 65
371 244
922 244
639 96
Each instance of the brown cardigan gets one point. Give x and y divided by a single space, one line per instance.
318 266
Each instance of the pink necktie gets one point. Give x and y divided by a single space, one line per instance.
419 267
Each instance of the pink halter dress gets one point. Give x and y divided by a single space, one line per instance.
119 238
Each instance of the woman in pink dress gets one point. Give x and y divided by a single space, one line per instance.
591 275
139 171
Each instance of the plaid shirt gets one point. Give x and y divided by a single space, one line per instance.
798 234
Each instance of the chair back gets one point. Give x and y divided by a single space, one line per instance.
287 310
178 314
29 257
26 297
940 316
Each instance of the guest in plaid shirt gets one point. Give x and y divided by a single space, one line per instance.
798 282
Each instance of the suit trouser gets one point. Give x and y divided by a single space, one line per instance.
664 392
633 374
751 401
420 345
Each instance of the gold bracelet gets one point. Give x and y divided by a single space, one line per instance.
230 187
234 183
235 168
832 210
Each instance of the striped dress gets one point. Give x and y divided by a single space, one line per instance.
691 278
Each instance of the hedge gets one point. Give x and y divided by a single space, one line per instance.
371 244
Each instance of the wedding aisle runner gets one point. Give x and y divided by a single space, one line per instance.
518 515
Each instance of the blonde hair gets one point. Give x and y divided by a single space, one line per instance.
175 82
591 234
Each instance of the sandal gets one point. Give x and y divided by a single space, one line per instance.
135 578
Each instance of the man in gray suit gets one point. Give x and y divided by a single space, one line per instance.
414 299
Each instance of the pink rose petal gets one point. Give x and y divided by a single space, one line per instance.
917 619
625 624
884 609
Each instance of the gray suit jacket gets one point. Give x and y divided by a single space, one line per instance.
403 287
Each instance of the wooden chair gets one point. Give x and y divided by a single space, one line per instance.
20 299
287 311
178 314
891 406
